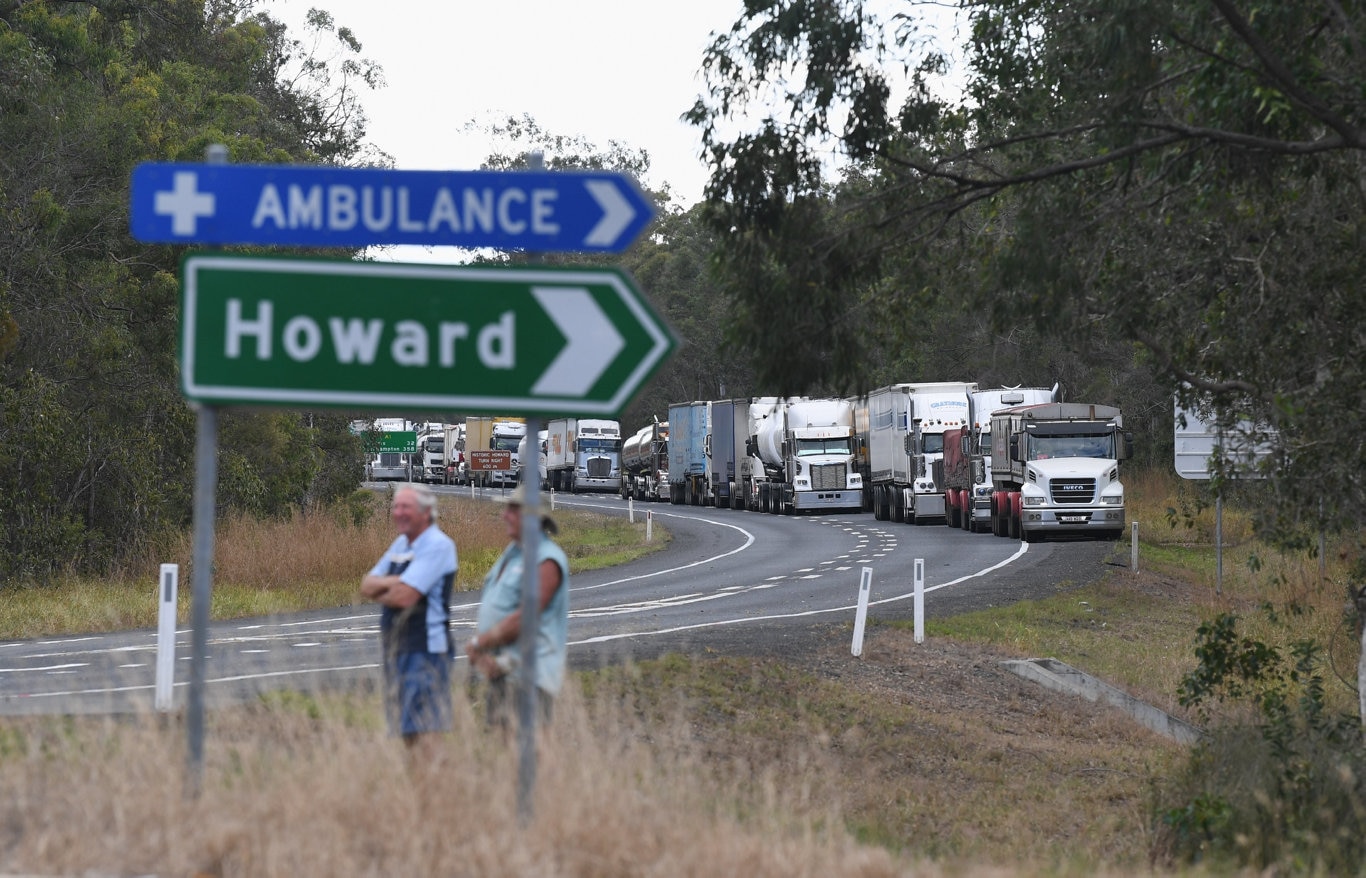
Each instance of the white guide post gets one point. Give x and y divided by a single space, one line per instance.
166 604
919 600
865 586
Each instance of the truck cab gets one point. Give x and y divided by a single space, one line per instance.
1056 470
431 454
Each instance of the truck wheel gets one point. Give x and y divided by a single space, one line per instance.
1015 514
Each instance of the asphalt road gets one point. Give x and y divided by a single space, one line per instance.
730 582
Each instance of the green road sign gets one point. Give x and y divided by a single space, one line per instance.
399 441
517 340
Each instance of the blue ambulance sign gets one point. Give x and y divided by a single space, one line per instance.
310 206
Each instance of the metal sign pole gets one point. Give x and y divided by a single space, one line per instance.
531 611
205 485
526 640
205 491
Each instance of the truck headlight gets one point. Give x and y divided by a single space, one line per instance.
1030 500
1112 499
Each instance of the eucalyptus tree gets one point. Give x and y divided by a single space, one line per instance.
1181 177
95 439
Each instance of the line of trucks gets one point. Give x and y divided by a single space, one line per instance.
576 454
1013 461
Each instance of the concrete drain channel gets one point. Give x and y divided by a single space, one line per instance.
1062 677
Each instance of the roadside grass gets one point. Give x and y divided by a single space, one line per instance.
932 777
304 563
1139 641
690 765
311 786
1138 631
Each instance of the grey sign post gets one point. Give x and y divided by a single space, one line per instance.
1199 438
587 339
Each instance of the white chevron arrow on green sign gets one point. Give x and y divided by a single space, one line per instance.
520 340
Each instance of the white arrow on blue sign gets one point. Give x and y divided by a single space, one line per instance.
308 206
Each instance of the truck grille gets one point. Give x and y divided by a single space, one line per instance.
1079 491
599 467
830 477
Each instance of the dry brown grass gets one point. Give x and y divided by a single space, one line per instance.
317 789
308 562
918 759
328 548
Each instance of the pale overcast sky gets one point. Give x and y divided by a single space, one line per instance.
606 70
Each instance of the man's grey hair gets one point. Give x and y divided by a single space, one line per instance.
426 497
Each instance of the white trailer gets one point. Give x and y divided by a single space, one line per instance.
965 474
906 427
456 470
689 476
645 463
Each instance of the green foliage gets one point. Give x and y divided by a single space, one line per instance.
1128 198
1287 790
96 442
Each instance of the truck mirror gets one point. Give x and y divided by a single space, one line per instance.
1128 450
1015 448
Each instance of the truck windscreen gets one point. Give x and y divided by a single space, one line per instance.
810 447
599 446
1074 445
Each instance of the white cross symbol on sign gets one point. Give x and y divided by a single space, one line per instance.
184 204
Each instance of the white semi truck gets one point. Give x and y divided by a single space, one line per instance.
430 465
387 463
583 454
645 463
964 473
1055 470
457 471
905 438
806 451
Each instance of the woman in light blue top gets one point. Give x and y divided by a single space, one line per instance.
493 651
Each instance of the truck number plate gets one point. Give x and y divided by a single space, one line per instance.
1073 519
